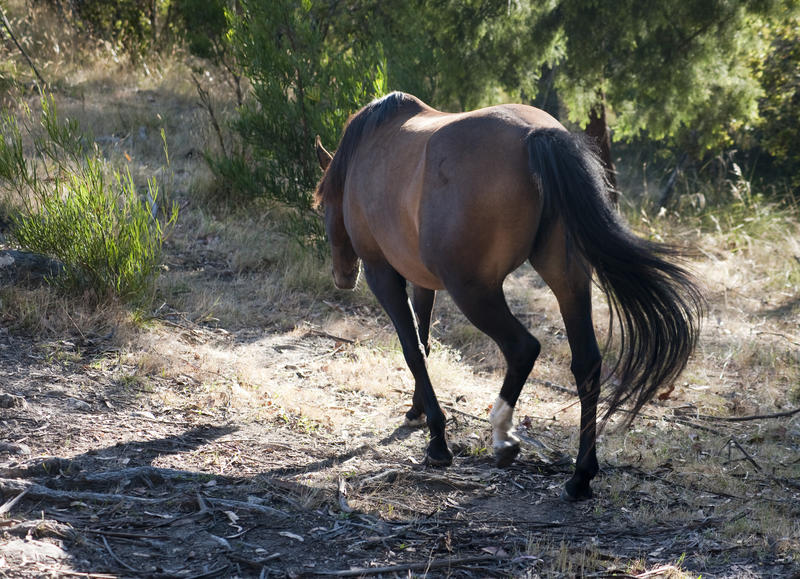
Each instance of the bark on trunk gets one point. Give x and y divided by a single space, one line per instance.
598 130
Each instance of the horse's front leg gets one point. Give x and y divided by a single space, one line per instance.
390 289
422 301
486 307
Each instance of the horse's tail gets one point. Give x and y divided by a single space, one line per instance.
657 304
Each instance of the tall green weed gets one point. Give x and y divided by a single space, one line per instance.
73 206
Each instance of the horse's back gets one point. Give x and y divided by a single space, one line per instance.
437 193
480 209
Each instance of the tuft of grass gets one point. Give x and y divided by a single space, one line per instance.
77 209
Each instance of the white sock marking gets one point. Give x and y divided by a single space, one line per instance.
502 424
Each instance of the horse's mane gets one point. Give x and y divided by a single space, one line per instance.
358 126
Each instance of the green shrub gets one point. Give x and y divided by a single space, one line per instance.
306 81
77 209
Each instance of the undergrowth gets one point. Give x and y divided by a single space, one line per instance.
75 207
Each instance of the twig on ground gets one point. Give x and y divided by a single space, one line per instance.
434 564
556 387
257 563
790 339
391 474
747 456
231 504
8 505
658 571
324 334
68 573
42 492
124 535
467 414
117 559
750 417
209 573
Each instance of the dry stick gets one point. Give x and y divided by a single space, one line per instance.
40 491
68 573
124 535
205 100
7 26
117 559
435 564
257 563
752 416
209 573
43 492
790 339
231 504
10 504
747 456
467 414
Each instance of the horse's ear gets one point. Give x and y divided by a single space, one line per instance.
323 155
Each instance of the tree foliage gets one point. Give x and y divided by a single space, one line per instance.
670 69
690 74
779 133
307 79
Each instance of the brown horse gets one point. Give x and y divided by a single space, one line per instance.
459 201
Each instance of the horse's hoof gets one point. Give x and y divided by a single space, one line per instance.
576 495
414 422
505 453
439 458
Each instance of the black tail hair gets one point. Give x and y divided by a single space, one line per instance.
657 303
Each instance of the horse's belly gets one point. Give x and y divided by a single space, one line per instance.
404 257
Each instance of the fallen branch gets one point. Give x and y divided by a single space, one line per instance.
68 573
38 491
390 474
467 414
434 564
231 504
149 475
256 563
124 535
209 573
751 417
790 339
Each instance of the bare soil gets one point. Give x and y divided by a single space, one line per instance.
107 479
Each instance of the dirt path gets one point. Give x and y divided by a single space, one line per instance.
104 479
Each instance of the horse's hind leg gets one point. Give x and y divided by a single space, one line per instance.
571 285
390 289
488 310
422 301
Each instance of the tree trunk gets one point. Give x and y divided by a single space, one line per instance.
598 129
